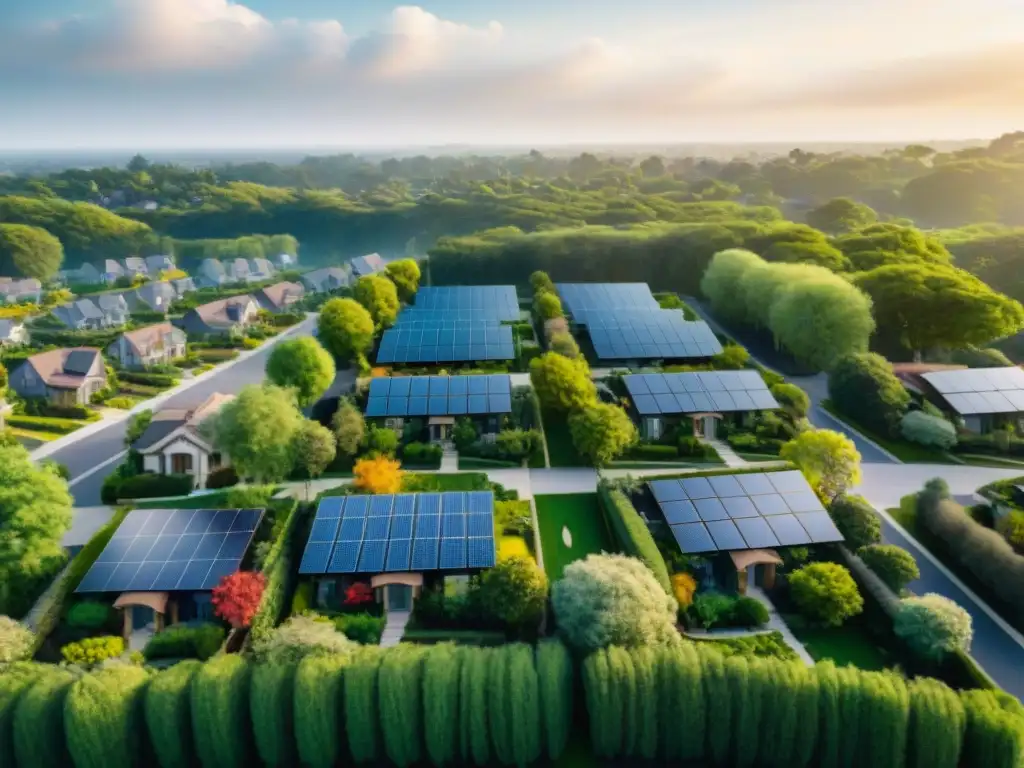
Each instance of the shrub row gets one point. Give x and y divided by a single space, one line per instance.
687 703
184 641
38 407
631 532
422 454
280 576
154 486
44 424
148 379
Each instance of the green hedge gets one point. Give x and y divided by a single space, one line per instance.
153 486
318 710
168 713
280 576
50 424
220 712
104 718
653 452
162 380
631 532
185 641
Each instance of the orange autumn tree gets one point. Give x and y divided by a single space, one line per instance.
237 598
378 475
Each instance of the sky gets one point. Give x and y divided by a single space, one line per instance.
218 74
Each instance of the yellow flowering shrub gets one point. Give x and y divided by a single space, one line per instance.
683 587
93 650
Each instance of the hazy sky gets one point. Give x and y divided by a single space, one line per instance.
297 73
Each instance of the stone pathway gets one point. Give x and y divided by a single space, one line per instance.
449 461
726 452
394 628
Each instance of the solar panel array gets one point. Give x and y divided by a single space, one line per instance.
439 395
578 298
737 512
167 550
499 302
403 532
711 391
464 341
653 335
427 319
980 390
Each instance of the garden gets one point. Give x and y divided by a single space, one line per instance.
571 527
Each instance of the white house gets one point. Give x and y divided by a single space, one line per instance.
173 443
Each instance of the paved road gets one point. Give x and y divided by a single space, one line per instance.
86 454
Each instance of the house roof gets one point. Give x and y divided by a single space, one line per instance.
135 263
150 292
317 276
368 264
166 422
183 285
82 309
212 264
261 265
111 301
110 265
64 368
225 311
278 293
145 339
158 261
28 285
7 328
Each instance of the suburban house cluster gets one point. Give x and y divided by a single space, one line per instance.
214 273
330 279
15 291
64 377
109 271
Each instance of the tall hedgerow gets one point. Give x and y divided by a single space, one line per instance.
681 686
498 691
994 736
168 713
441 703
778 723
830 737
555 673
621 715
14 681
850 712
400 692
936 728
103 717
645 672
524 705
362 721
605 717
317 706
474 718
220 712
39 721
271 688
889 708
807 702
718 706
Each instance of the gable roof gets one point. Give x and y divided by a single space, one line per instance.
143 340
111 302
369 264
64 368
151 292
110 266
10 286
317 277
75 311
261 265
135 263
212 265
225 311
168 422
158 262
277 294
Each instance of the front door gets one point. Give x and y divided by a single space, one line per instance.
399 597
181 463
709 428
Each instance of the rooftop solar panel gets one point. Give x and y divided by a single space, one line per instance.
756 533
660 334
693 538
788 530
819 527
581 297
400 345
980 390
725 391
680 512
498 302
170 550
726 535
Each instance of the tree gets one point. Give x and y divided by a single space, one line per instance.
540 282
612 600
934 626
257 430
857 520
733 357
601 432
893 565
840 215
515 592
314 450
722 277
237 598
931 431
794 401
345 329
825 592
16 641
925 306
378 475
35 513
829 460
405 274
381 441
380 298
303 366
138 164
864 388
562 384
565 345
349 427
29 252
547 305
652 167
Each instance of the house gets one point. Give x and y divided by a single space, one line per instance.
285 261
80 315
151 297
12 333
326 279
370 264
221 317
62 376
260 269
173 443
977 400
279 296
153 345
109 271
183 285
19 291
158 264
237 270
135 265
210 274
87 274
114 308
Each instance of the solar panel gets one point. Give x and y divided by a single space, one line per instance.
427 531
980 390
170 550
498 302
724 391
657 334
440 396
578 298
743 511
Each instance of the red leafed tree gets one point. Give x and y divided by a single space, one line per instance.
358 594
237 597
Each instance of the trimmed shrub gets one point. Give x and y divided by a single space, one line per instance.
893 565
318 715
167 708
524 705
936 728
279 573
299 636
93 650
16 641
631 532
222 477
103 718
793 400
826 592
220 712
361 627
362 721
15 680
441 702
497 694
555 675
149 486
653 452
271 686
185 641
38 726
748 612
992 736
857 520
474 718
43 424
864 388
927 430
161 380
400 691
422 454
934 626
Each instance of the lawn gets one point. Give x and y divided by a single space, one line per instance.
212 500
848 644
432 483
471 462
587 533
561 451
901 449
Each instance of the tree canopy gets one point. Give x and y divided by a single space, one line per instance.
405 274
562 384
601 432
27 251
380 298
841 214
345 328
829 460
302 365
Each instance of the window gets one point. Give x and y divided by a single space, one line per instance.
181 463
215 460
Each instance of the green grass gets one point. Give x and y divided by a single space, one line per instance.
981 460
471 462
212 500
580 513
662 464
848 644
430 483
901 449
561 451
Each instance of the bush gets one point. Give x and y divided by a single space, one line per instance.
168 715
121 403
185 641
857 520
1011 526
514 592
631 532
43 424
220 712
93 650
893 565
612 600
298 637
37 407
103 718
250 497
711 608
319 719
864 388
381 441
684 586
88 615
930 431
748 612
826 593
733 357
39 737
653 452
162 380
422 454
692 447
793 400
361 627
151 486
222 477
934 626
16 641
